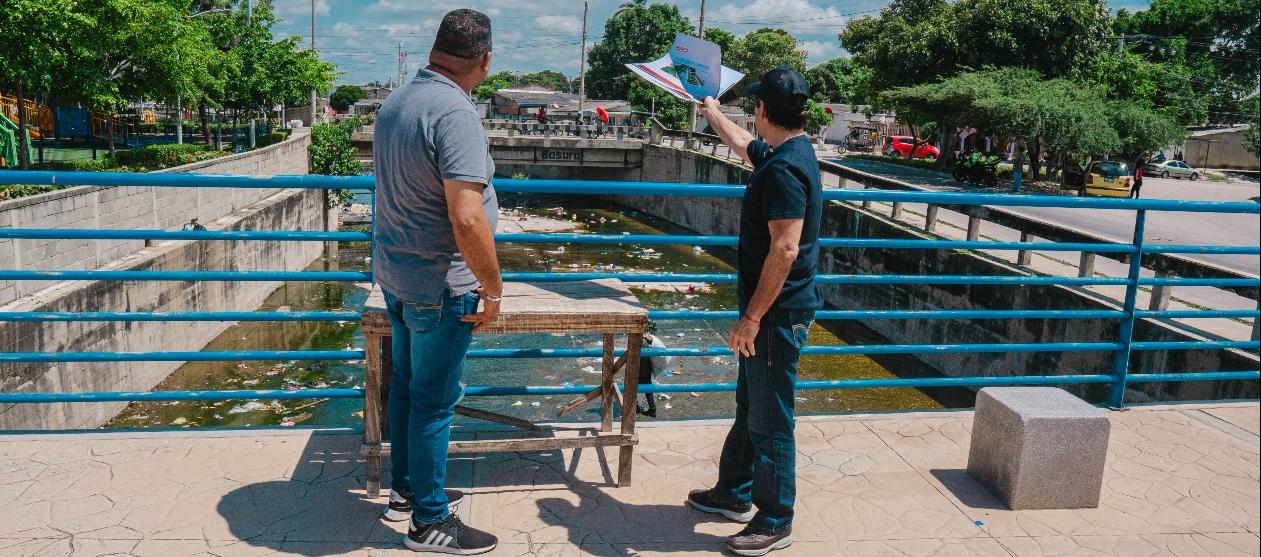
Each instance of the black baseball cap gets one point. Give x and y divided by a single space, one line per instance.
782 87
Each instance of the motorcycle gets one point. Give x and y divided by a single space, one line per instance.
981 170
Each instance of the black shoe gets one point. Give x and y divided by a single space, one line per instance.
708 501
753 543
448 535
400 506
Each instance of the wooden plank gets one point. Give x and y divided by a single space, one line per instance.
630 387
592 394
528 444
606 386
497 418
595 306
372 412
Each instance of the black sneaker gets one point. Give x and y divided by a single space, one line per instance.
448 535
753 543
708 501
400 506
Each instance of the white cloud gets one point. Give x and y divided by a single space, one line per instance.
299 8
393 29
819 51
776 13
559 23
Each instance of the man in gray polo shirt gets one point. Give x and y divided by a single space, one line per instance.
434 257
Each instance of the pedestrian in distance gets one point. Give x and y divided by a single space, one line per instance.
434 257
1138 176
1017 167
777 259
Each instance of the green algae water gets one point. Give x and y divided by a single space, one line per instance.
532 212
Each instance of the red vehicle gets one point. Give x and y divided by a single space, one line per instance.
902 144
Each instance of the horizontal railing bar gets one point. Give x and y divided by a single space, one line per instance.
1196 345
99 234
295 181
182 356
613 188
687 351
180 316
1217 250
167 396
193 276
1194 376
679 315
607 188
683 239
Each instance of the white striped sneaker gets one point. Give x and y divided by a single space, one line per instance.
400 506
450 536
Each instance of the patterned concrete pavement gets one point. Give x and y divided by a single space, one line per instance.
1181 480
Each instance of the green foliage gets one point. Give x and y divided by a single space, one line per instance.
839 80
520 176
1166 87
550 79
919 41
721 37
331 152
103 164
636 32
271 138
155 157
1214 41
762 51
670 111
819 118
344 96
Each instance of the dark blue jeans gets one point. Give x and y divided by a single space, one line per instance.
428 349
759 459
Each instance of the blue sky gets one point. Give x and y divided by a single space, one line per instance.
363 36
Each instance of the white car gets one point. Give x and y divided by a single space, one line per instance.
1171 169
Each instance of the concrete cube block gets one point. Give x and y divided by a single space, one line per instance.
1039 447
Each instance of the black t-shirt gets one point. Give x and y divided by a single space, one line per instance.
785 185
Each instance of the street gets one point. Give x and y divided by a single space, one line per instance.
1162 227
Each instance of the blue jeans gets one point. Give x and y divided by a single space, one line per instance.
1015 179
428 348
759 459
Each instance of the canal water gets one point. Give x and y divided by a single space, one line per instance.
533 212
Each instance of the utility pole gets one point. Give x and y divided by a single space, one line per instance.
317 53
249 19
582 64
1121 45
402 63
700 33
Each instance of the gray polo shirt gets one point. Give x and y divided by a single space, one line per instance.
426 131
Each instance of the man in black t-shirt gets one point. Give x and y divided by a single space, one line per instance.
778 254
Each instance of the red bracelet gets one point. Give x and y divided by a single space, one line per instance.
751 320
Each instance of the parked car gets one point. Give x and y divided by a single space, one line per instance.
1171 169
902 144
1104 178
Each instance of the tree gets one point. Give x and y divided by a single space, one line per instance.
669 110
492 83
550 79
761 51
909 43
344 96
1166 87
721 37
636 32
1215 40
839 80
37 37
819 118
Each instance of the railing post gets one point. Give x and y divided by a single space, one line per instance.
930 219
1256 323
896 214
1161 293
1121 358
974 228
1024 256
1086 265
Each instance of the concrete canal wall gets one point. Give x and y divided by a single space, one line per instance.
721 216
143 208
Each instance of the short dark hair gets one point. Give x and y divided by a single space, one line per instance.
464 34
793 117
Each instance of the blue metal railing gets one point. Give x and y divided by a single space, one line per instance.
1121 349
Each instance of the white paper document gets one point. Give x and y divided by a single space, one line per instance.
691 70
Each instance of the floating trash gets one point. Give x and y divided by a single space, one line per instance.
241 366
680 335
252 406
518 403
535 404
666 373
590 369
697 248
802 399
694 394
250 382
287 424
179 421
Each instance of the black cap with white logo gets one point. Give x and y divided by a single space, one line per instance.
782 88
